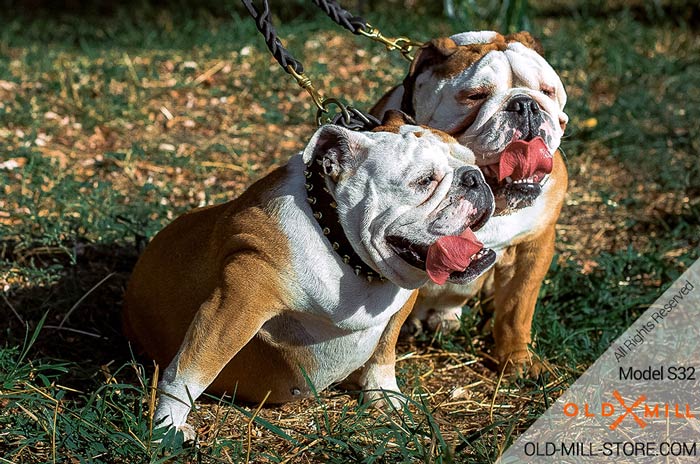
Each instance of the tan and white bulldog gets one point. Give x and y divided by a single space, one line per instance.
310 271
497 96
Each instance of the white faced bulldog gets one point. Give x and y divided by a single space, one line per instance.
497 96
311 271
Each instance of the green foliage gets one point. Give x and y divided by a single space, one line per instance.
580 314
506 16
646 82
42 418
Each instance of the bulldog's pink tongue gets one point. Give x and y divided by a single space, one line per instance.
522 160
450 254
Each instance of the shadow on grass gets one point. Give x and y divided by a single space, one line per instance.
83 306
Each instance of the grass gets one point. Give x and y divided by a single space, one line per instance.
112 126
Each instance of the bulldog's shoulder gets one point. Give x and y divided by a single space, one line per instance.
254 219
250 222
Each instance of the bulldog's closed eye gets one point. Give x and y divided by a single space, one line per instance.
426 182
478 96
547 90
469 96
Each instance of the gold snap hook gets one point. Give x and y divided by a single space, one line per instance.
305 83
402 44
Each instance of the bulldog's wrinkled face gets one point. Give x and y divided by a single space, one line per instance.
399 190
488 91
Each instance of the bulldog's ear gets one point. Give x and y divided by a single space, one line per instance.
431 53
393 120
339 150
526 39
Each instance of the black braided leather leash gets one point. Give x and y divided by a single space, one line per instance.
264 23
320 200
343 17
348 117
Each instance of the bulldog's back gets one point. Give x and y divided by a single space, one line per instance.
182 265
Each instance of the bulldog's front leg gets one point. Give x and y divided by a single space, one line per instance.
378 375
222 326
518 281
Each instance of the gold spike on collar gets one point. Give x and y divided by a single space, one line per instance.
325 212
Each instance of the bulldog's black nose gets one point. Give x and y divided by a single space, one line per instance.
522 104
474 188
469 177
526 115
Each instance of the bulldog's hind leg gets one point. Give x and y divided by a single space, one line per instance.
517 288
223 325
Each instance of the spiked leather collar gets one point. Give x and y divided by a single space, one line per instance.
325 212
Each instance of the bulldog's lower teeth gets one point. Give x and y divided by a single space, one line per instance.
509 180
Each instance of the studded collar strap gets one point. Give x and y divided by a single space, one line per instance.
325 212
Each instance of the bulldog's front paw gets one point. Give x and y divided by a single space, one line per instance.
188 433
380 388
386 400
521 363
172 413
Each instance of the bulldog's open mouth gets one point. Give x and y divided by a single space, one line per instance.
457 259
516 180
511 194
